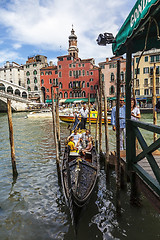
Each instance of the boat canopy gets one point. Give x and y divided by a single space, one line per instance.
141 26
79 100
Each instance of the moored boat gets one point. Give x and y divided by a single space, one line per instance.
93 116
79 176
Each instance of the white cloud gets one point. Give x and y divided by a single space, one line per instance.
17 45
47 23
7 55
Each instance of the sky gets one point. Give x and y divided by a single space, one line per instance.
31 27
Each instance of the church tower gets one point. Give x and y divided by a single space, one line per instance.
73 50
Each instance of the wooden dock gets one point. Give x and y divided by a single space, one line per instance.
150 194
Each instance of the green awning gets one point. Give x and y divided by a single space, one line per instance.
78 100
48 100
135 28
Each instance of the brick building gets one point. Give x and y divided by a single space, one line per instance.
76 77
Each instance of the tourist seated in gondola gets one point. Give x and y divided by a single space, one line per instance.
80 145
85 136
71 144
76 136
89 146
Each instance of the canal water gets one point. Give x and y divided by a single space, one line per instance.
33 207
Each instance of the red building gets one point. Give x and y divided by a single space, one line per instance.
48 78
75 77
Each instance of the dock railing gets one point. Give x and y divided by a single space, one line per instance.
134 158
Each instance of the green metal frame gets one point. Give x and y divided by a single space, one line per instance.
147 152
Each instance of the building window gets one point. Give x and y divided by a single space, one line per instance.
47 89
146 91
60 66
83 72
34 72
70 95
70 85
60 74
91 79
83 84
157 70
47 96
112 77
137 59
95 87
79 72
74 65
87 73
29 89
65 95
146 58
68 58
137 83
83 94
146 70
42 81
137 71
50 81
137 92
60 95
60 59
35 80
19 83
146 82
112 90
27 73
79 65
34 64
70 73
42 73
157 90
87 84
56 72
35 88
91 73
91 88
46 73
50 73
122 76
28 81
83 65
70 65
60 85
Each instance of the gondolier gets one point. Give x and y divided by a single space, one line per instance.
84 114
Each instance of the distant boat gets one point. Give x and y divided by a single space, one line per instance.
43 113
93 117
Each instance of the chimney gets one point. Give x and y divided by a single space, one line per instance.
107 60
7 64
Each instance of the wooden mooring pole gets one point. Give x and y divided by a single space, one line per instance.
154 102
13 159
97 122
100 112
117 166
89 108
106 133
57 121
55 131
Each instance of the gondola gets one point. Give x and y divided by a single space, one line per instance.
79 176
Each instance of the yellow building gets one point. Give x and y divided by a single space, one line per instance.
143 80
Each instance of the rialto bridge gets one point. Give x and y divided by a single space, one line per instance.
17 94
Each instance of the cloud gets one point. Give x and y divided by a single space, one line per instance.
47 24
16 45
7 55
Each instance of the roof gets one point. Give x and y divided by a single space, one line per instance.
49 68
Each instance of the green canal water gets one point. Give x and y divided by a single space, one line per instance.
33 208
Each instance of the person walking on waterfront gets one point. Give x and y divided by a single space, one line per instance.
122 122
84 114
135 111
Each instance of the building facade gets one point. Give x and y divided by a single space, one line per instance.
109 71
77 78
48 78
13 72
32 76
143 76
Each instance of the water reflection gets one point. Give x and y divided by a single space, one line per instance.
34 207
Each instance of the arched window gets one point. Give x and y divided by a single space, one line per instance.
35 72
35 80
65 95
102 77
19 82
112 90
83 84
70 85
24 94
112 77
42 81
83 94
28 81
10 90
2 87
60 95
42 73
122 76
27 73
91 87
29 89
70 95
17 92
79 94
35 88
60 85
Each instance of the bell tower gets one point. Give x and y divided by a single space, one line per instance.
73 50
